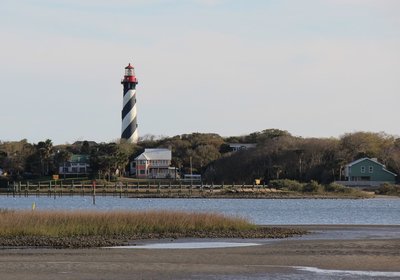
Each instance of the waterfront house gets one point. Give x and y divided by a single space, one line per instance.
76 165
154 164
367 172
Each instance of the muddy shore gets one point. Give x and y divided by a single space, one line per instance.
101 241
364 248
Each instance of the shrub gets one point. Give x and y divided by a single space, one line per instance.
338 188
334 187
389 189
291 185
313 186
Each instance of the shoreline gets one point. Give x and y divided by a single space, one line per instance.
184 191
372 249
80 242
247 195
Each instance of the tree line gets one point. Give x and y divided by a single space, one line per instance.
277 155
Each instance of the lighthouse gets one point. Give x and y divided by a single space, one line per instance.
129 118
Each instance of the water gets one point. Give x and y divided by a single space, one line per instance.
306 273
259 211
188 245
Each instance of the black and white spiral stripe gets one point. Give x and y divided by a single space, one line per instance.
129 114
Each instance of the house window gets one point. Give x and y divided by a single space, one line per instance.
142 172
362 169
370 169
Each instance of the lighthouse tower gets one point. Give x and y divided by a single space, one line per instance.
129 120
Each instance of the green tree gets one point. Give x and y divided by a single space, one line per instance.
85 148
106 159
366 144
14 155
202 148
60 157
44 150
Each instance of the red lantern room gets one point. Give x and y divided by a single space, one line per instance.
130 74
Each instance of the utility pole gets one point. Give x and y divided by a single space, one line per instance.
191 171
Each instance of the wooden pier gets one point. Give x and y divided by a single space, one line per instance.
152 189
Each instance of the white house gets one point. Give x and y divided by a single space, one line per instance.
154 164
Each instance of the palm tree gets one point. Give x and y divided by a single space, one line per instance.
44 150
60 158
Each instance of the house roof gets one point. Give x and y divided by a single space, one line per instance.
362 159
372 160
247 145
80 143
79 159
155 154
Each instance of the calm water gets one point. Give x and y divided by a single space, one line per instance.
306 273
260 211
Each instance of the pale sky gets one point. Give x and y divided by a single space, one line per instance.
317 68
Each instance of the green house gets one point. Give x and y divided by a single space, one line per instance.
368 170
76 165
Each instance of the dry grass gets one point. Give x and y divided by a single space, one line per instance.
113 224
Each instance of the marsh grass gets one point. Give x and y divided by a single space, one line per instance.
114 224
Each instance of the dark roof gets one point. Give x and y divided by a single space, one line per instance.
80 143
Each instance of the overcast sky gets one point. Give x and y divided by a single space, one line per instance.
317 68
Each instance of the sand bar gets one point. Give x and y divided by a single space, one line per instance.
374 248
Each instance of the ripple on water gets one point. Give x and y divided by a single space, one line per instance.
260 211
306 273
188 245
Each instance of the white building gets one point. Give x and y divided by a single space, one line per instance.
154 164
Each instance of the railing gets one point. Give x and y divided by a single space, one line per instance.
137 189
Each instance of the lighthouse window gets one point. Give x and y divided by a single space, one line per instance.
129 72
